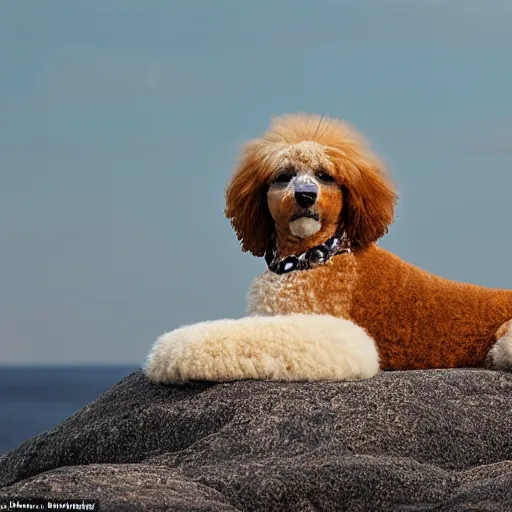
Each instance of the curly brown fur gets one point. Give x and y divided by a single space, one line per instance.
418 320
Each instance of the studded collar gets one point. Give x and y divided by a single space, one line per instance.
318 255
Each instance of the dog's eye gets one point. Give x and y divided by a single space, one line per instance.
323 176
284 177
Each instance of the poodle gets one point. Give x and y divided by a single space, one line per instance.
313 199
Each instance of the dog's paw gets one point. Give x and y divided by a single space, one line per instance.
292 347
499 356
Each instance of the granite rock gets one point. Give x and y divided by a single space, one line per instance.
402 441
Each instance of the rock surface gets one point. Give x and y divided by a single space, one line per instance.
423 440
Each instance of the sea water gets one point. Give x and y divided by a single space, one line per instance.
35 399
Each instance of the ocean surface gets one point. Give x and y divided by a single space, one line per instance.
35 399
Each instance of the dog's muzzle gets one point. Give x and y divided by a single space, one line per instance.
306 195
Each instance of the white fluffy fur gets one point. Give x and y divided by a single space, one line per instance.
295 347
500 355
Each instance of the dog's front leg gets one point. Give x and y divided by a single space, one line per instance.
296 347
500 354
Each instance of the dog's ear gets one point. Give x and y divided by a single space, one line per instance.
369 197
246 201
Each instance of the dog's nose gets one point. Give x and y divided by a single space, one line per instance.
306 195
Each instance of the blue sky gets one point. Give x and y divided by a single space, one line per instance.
120 122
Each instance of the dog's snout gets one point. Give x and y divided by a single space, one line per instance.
306 195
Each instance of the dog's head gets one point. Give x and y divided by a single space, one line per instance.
306 179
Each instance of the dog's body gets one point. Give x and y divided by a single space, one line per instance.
319 172
416 319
